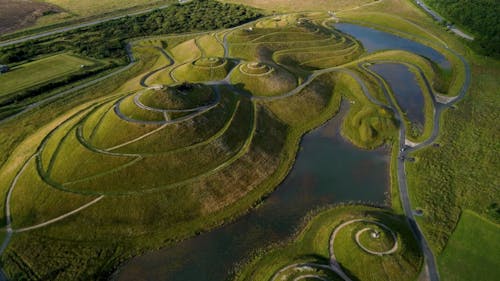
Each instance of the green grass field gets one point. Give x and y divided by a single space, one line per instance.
161 164
41 71
473 251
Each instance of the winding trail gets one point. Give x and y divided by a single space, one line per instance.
59 217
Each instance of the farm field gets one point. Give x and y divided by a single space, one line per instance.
33 16
294 5
201 127
40 71
18 14
88 8
473 250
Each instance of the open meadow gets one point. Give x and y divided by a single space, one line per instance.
474 242
40 71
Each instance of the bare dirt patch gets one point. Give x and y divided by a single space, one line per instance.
16 14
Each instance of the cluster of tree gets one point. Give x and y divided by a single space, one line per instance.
479 16
106 40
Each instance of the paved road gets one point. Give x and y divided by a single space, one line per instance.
440 19
73 27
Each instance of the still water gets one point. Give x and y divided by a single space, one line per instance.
375 40
405 88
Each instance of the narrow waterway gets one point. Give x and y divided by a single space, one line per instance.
375 40
328 170
405 88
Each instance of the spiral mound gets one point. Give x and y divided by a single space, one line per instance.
256 69
210 62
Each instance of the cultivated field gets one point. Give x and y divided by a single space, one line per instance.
41 71
298 5
16 14
86 8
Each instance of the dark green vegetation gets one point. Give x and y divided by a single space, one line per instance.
474 242
310 252
480 16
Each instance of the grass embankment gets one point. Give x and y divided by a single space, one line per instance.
366 125
263 80
311 245
473 251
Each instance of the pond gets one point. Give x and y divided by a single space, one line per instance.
375 40
405 88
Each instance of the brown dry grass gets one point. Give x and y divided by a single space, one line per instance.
16 14
301 5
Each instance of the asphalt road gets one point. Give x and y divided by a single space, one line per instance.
439 18
73 27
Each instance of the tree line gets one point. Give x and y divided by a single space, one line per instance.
481 17
107 40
